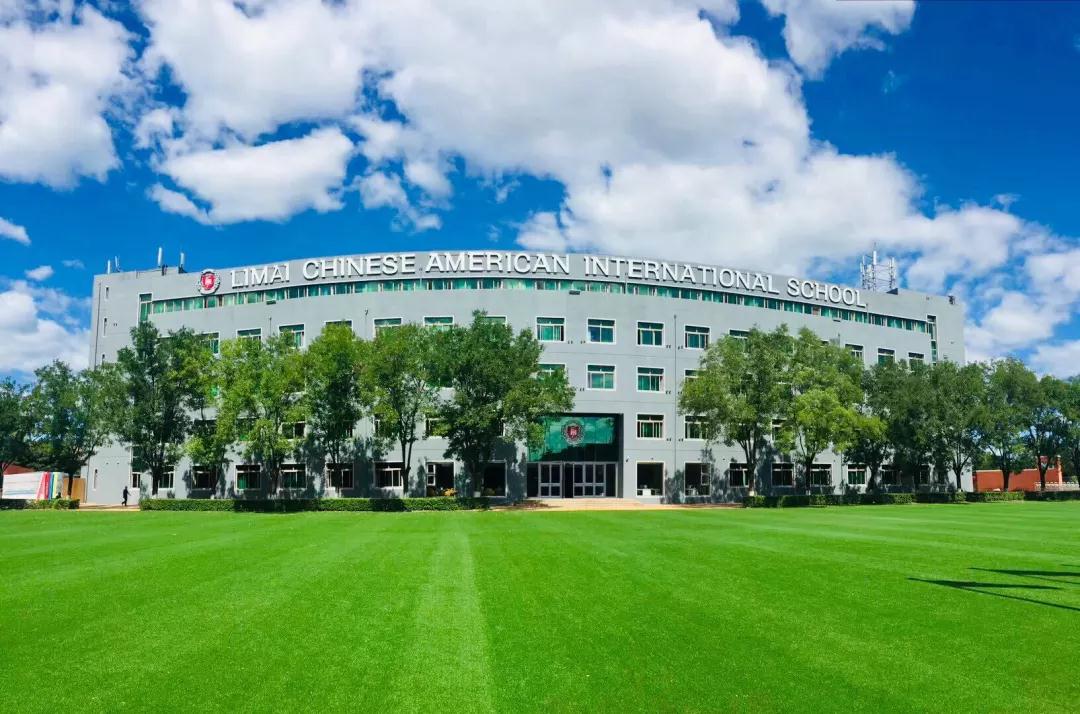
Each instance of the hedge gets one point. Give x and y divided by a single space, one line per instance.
828 499
995 496
293 505
50 504
1052 496
942 497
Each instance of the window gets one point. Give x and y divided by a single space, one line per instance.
295 332
650 479
136 480
294 430
248 476
783 474
691 374
855 350
203 477
546 368
497 319
341 475
777 429
255 334
739 334
343 323
885 356
384 323
697 477
213 341
440 477
915 357
493 482
600 376
650 426
434 428
550 329
650 379
602 331
696 428
856 474
890 475
388 474
439 323
696 338
821 475
293 476
650 333
738 475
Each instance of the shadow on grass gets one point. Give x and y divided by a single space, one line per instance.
987 588
1050 576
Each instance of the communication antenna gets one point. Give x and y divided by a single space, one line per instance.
877 276
108 266
181 267
160 256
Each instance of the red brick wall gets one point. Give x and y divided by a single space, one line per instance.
1026 480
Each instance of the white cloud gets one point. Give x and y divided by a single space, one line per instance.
13 231
816 31
1059 358
381 190
176 202
56 79
73 263
253 65
33 337
40 273
271 181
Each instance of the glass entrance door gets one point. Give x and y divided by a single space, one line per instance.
551 480
589 479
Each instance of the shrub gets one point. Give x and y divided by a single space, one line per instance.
1052 496
995 496
941 497
758 502
51 504
315 504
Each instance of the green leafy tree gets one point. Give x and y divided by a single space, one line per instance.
742 386
261 388
150 393
1004 418
499 393
210 438
825 394
399 374
336 394
1047 431
1070 407
869 444
956 396
67 417
902 398
14 425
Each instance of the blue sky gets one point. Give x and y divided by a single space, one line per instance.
787 135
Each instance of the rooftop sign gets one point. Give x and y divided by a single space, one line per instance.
554 265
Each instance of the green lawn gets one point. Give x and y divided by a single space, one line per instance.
750 610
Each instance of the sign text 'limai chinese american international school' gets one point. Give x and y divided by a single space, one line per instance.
441 264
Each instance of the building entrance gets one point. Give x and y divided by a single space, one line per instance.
572 479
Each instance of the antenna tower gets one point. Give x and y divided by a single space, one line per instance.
877 276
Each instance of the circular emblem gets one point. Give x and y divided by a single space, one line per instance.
572 432
208 282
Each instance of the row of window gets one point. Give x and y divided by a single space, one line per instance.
148 306
553 329
697 477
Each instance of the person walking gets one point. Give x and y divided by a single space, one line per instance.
125 496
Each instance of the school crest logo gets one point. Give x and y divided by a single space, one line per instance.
208 282
573 432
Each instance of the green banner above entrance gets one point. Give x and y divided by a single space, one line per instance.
562 433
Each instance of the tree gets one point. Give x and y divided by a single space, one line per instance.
67 418
499 392
399 374
901 395
1071 412
261 387
210 438
1003 419
336 395
869 444
14 425
953 424
1047 429
151 391
825 393
742 386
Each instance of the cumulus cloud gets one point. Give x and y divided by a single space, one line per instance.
73 264
40 273
56 80
270 181
37 326
816 31
1061 359
13 231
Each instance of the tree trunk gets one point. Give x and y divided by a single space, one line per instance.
959 484
1005 473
